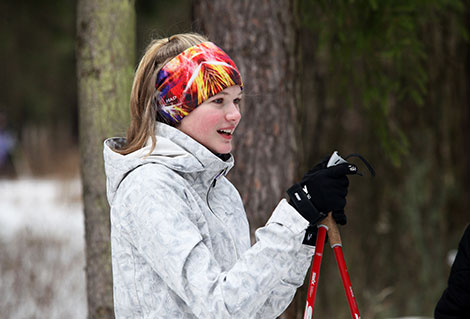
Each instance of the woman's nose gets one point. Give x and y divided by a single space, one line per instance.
233 114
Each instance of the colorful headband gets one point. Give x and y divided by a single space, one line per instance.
192 77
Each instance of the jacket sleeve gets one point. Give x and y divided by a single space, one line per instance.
164 230
281 296
455 301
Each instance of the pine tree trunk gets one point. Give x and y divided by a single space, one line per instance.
105 59
261 37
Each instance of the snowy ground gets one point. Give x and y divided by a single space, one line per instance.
41 249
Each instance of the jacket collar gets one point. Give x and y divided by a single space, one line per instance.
174 149
206 160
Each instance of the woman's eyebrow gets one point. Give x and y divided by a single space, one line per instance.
225 93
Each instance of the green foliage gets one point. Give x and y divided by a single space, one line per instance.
377 57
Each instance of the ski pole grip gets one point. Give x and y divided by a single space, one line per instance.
334 236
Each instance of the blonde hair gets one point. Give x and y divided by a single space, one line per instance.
143 113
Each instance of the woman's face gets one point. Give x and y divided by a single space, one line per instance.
213 122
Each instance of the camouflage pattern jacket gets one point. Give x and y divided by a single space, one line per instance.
181 242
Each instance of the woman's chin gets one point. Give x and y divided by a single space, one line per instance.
222 149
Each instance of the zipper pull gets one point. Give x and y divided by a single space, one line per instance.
222 172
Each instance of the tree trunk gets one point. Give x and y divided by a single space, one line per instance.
105 60
261 37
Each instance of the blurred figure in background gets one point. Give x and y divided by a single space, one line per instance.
7 142
455 301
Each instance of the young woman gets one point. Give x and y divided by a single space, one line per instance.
179 232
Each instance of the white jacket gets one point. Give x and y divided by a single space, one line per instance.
181 242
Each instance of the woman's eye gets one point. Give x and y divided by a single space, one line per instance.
218 101
237 101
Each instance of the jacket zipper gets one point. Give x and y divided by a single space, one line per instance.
212 185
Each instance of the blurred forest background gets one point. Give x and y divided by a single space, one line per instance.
388 79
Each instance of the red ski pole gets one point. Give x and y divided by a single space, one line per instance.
329 224
313 283
335 243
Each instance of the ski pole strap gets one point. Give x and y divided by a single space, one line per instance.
366 163
300 201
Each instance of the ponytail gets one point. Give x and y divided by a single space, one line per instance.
143 113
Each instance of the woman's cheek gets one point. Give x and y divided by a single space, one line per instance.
211 122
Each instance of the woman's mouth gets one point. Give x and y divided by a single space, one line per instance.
226 133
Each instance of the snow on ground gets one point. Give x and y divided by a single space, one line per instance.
43 206
42 258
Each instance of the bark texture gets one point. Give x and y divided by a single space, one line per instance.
105 59
261 38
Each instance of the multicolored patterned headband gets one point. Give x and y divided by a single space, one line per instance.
192 77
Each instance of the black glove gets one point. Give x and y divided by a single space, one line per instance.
326 190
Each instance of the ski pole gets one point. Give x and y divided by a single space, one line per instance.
329 225
335 243
315 272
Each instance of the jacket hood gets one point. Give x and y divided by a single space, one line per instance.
174 149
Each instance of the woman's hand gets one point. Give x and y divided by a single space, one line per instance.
326 189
